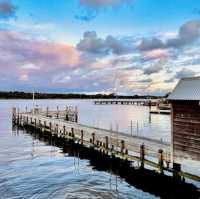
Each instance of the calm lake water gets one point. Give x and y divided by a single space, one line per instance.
30 168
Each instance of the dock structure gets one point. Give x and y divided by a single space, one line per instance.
64 125
158 111
185 117
139 102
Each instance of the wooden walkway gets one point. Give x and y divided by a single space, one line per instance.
150 152
140 102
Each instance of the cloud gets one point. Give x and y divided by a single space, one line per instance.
154 68
150 44
145 80
30 66
27 59
155 54
185 72
91 43
119 46
188 33
7 9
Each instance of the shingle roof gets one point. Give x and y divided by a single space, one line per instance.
186 89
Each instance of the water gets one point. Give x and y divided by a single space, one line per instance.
31 168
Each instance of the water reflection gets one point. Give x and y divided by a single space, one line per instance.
140 179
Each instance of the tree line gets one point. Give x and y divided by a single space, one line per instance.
38 95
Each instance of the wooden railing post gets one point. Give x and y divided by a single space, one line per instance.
176 171
122 146
57 129
81 136
72 131
50 127
64 130
106 143
142 155
45 124
57 113
160 160
47 112
35 123
93 138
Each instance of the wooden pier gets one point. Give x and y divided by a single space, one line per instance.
139 102
162 112
64 125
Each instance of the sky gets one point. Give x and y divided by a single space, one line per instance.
126 47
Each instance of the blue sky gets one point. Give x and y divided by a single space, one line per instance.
98 46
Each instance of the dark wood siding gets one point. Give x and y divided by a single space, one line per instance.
186 129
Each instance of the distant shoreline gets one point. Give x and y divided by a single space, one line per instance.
24 95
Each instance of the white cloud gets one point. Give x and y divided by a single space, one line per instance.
30 66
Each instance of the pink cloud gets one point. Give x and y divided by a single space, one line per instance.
23 77
156 54
20 53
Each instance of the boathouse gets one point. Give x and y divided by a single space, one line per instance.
185 115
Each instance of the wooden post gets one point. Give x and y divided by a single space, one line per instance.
57 129
176 171
72 130
142 155
57 114
93 138
106 144
167 160
20 121
50 127
81 136
160 160
76 117
76 114
14 112
126 151
137 128
47 112
131 127
64 130
45 124
122 146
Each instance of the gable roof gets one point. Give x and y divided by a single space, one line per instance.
186 89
